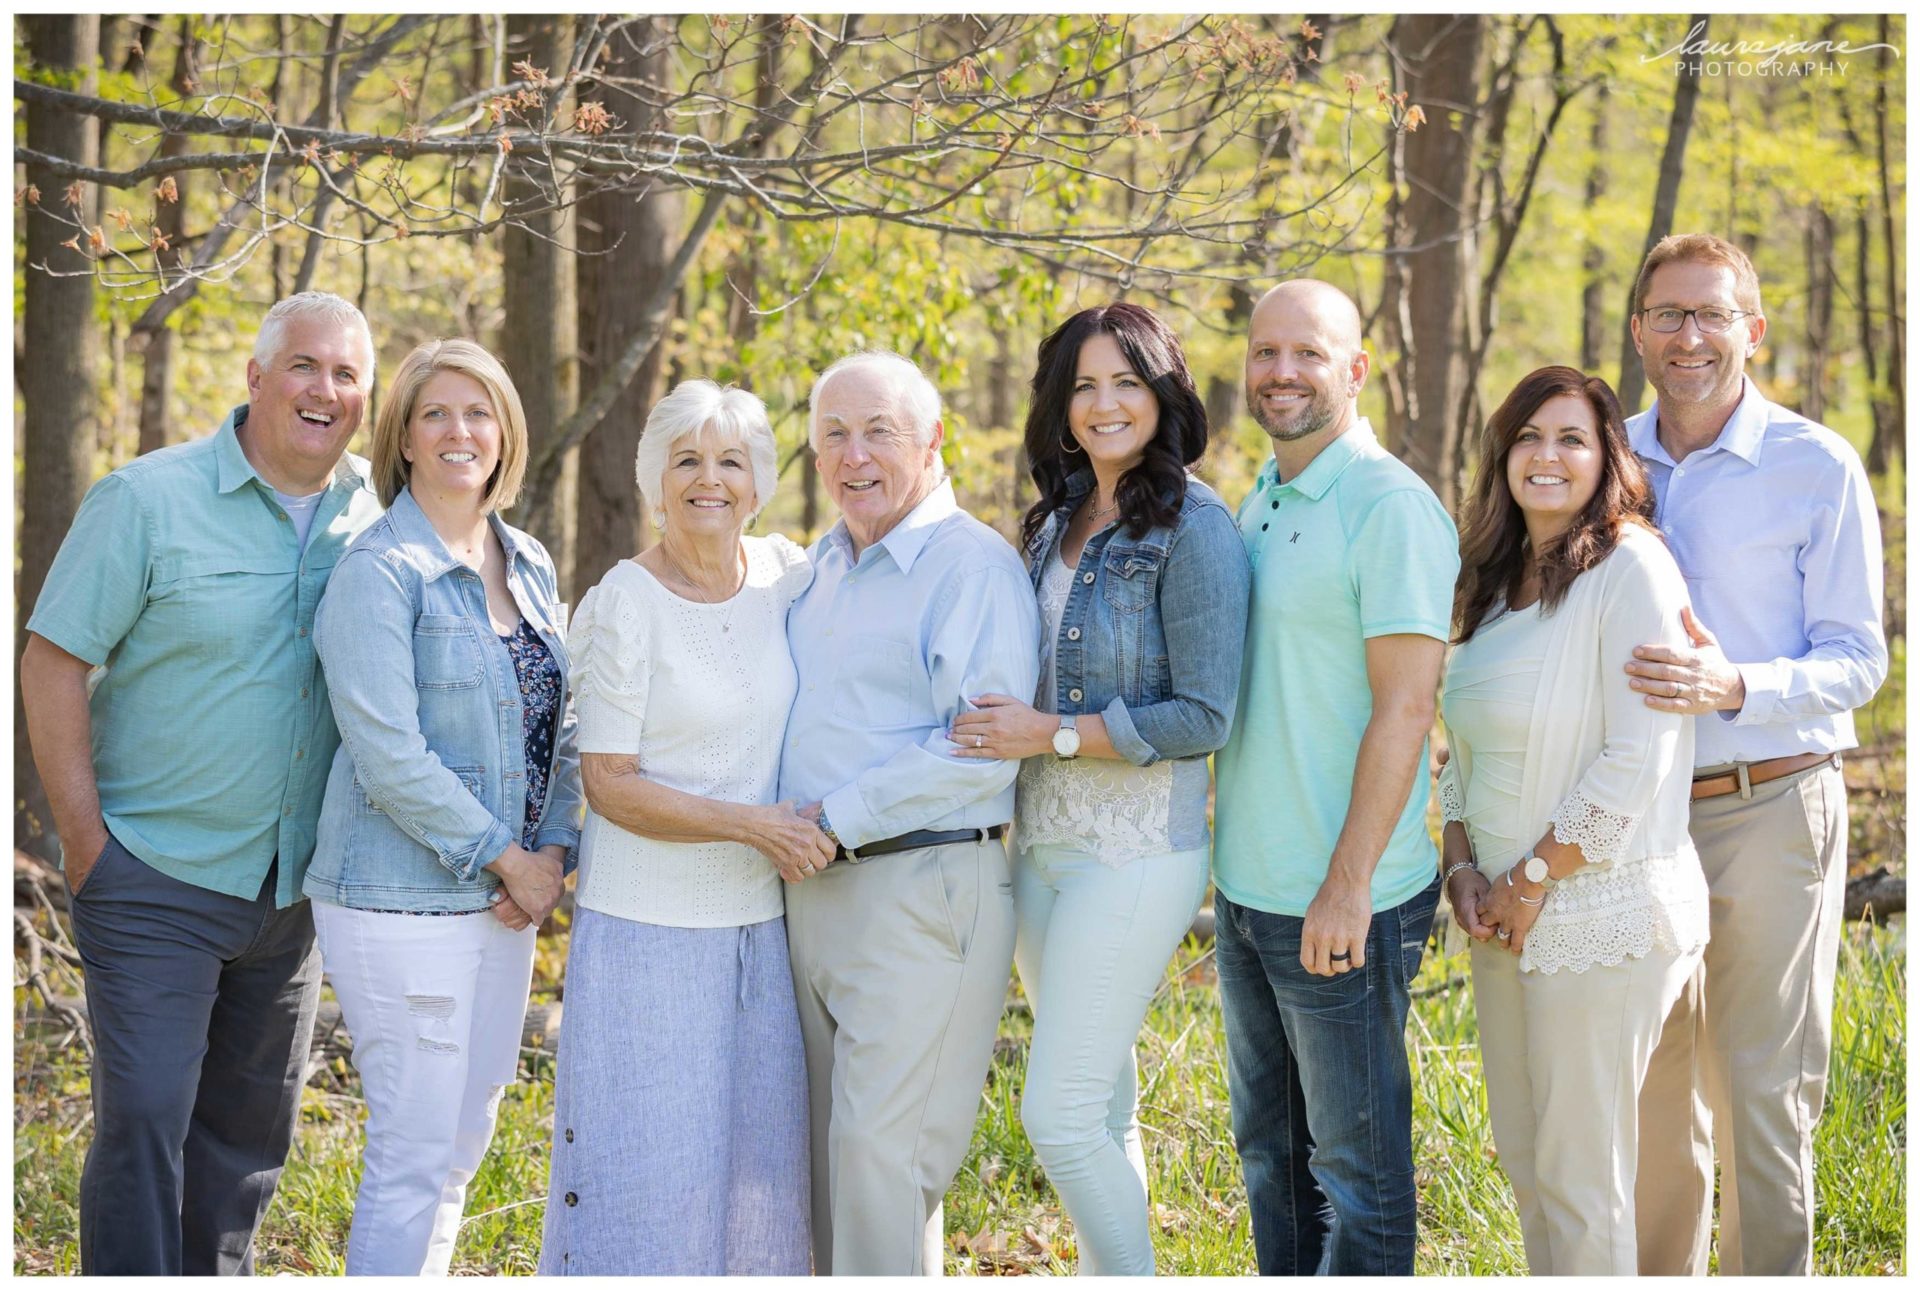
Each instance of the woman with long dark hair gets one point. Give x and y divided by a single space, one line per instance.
1142 579
1566 798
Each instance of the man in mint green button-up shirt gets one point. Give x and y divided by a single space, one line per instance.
1326 877
180 725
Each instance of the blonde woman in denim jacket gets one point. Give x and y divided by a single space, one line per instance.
454 802
1142 580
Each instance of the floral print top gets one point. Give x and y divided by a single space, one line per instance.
539 677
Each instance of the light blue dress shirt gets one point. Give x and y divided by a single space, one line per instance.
1774 527
889 648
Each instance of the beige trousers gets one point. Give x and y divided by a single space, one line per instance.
1564 1055
1743 1058
900 966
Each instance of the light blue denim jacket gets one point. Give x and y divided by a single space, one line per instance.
1151 639
430 780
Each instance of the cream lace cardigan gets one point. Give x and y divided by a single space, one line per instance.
1608 772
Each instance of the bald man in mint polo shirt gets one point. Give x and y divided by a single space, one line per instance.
185 784
1326 876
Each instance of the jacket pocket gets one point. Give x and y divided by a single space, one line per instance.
446 654
1131 578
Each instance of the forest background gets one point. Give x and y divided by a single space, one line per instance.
616 203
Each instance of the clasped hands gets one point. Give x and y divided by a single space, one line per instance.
531 883
1491 911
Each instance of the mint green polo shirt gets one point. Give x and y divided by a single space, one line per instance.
212 736
1355 546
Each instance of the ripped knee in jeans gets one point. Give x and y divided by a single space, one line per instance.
436 1012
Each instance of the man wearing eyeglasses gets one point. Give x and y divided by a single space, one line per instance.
1772 520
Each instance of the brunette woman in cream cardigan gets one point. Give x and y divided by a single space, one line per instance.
1566 848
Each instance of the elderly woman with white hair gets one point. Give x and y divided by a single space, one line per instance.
680 1116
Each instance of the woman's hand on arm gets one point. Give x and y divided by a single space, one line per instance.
792 840
618 791
1002 728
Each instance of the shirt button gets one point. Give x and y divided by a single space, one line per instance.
303 691
303 631
573 1198
283 517
1086 577
1074 695
288 811
569 1135
1276 503
298 753
1073 633
1264 527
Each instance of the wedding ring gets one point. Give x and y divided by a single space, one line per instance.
1506 934
979 741
1344 956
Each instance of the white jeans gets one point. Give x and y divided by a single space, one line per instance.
435 1006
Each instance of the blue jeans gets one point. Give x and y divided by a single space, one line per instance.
1322 1100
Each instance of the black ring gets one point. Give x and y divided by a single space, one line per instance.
1344 956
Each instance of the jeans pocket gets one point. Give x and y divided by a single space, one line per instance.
92 879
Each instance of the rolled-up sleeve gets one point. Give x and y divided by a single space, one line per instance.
984 638
1203 613
363 634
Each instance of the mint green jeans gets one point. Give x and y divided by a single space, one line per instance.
1093 946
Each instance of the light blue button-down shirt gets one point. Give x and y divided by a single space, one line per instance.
1774 527
211 732
889 648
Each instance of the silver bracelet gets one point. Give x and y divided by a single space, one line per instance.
1456 867
1535 903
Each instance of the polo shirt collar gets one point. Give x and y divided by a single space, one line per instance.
905 540
1328 466
411 525
1742 435
235 470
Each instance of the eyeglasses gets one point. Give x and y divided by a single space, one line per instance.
1710 320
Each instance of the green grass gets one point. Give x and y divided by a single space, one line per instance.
1002 1216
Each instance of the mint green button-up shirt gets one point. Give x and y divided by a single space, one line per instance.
212 737
1355 546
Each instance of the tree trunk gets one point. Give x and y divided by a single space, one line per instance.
539 337
1593 260
1441 54
1887 443
627 245
156 374
57 381
1819 245
1666 195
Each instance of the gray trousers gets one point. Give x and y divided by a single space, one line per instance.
202 1007
900 967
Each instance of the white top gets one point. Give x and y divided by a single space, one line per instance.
1113 810
1545 730
699 693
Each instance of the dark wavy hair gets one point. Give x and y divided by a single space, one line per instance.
1151 493
1493 534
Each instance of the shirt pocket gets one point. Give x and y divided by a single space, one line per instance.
223 603
446 653
1131 578
878 683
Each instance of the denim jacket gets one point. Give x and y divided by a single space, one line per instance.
1151 639
430 780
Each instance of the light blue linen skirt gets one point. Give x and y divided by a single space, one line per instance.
680 1105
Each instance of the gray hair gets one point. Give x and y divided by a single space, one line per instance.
918 397
694 410
309 304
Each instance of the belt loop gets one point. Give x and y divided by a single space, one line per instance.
1746 784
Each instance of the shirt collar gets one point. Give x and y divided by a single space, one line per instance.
411 525
1742 435
1324 469
905 540
235 470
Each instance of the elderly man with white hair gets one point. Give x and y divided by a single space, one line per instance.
902 947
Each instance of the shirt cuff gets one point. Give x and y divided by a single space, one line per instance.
563 835
1125 736
1763 682
852 822
467 868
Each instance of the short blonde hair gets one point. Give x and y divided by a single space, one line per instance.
693 410
1702 248
391 469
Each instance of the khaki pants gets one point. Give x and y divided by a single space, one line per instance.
900 966
1564 1055
1753 1038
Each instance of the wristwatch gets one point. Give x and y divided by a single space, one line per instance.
1534 869
1066 740
826 827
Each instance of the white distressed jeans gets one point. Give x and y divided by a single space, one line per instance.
435 1006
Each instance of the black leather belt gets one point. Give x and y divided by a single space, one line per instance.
914 841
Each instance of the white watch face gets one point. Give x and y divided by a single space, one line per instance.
1536 869
1066 741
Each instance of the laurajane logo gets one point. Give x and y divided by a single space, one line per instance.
1696 55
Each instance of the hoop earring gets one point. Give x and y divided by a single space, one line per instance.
1069 447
